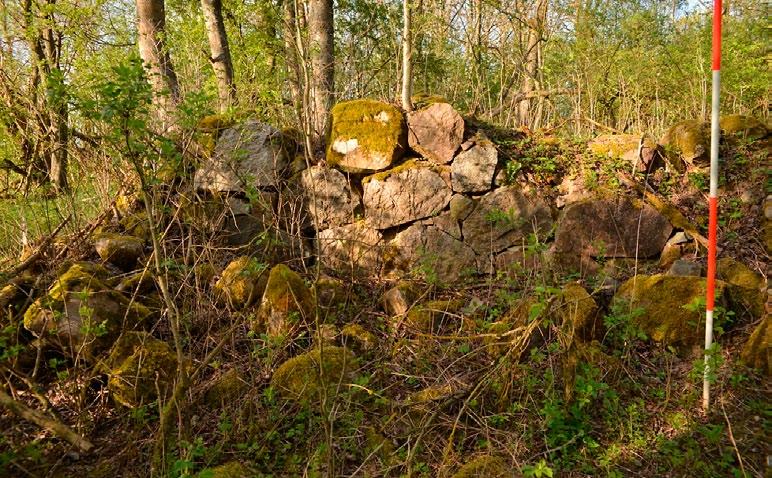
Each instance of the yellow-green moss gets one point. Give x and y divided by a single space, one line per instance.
127 204
485 467
136 224
578 313
673 306
242 282
745 126
141 282
429 315
757 352
286 302
119 249
361 120
431 394
617 145
303 378
359 336
232 469
329 292
691 138
409 164
215 123
140 365
422 100
747 288
227 388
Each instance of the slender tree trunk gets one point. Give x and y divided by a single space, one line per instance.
407 54
291 57
151 23
531 67
322 55
220 51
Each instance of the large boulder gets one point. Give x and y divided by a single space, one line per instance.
242 283
611 228
305 379
747 287
746 127
287 303
119 249
628 147
757 352
435 132
472 170
139 367
82 314
411 191
690 139
249 155
672 310
504 218
351 249
433 253
365 136
328 197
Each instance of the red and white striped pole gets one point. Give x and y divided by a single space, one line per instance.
715 133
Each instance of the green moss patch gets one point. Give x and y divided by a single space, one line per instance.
304 378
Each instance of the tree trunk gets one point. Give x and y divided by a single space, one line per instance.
531 67
151 21
291 57
407 53
322 54
221 53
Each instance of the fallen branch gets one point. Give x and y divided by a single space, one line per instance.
29 261
43 421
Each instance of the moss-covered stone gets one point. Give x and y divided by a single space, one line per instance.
214 123
242 282
485 467
81 313
226 388
430 315
136 224
359 337
744 126
399 299
232 469
304 378
365 136
433 393
121 250
14 296
690 139
747 288
287 303
673 307
330 292
757 352
141 282
127 204
578 313
139 367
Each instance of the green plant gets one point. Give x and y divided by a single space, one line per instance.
539 470
621 330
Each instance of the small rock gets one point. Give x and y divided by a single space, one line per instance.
242 282
398 299
359 337
118 249
681 267
746 127
287 303
304 378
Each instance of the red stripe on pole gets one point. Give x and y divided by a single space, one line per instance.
713 222
717 11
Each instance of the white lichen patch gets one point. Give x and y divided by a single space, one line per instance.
345 146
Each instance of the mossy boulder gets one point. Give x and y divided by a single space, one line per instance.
422 100
141 282
119 249
485 467
672 307
14 296
747 288
360 338
287 303
330 292
578 312
136 224
81 313
743 126
232 469
626 147
757 352
242 283
366 136
398 299
690 141
228 387
433 314
139 366
214 123
304 378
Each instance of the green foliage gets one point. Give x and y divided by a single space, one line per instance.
539 470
